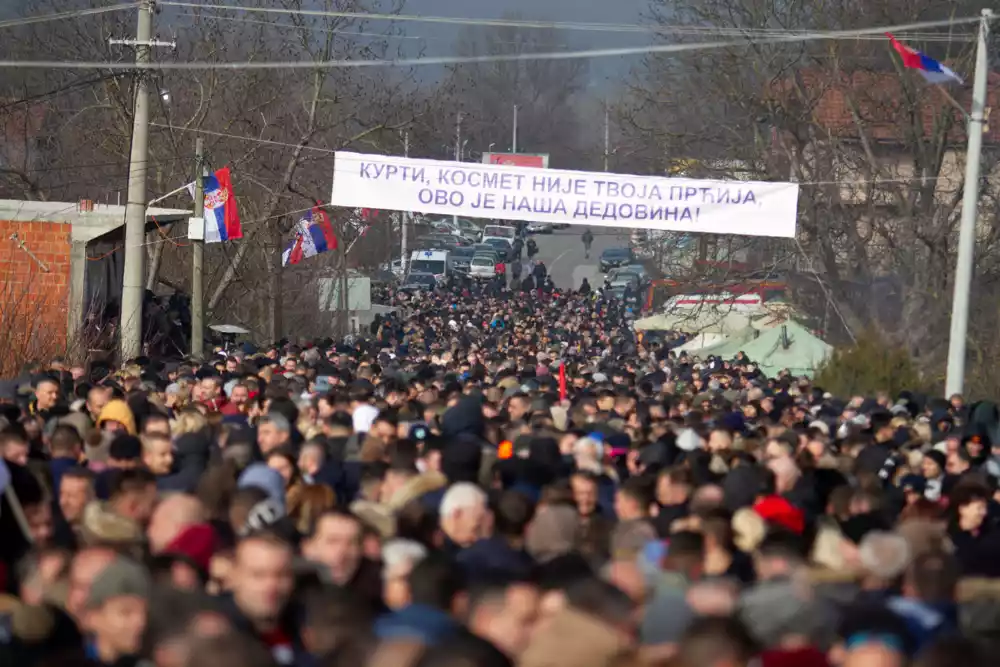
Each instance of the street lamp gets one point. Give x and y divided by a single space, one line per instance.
490 149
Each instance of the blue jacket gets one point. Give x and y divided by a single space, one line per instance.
57 467
495 555
424 623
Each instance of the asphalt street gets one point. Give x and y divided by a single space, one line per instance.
562 253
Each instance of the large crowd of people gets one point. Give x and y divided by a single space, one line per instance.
492 478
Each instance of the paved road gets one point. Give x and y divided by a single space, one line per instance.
563 255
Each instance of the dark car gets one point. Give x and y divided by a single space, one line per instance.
419 282
500 245
615 257
461 258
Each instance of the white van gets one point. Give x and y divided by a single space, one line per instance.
434 262
508 234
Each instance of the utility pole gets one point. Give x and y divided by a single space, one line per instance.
344 316
130 322
513 139
405 219
458 149
198 255
607 136
970 203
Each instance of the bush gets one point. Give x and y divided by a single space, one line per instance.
870 365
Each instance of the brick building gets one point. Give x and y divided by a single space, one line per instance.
52 257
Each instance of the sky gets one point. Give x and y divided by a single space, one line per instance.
597 11
441 37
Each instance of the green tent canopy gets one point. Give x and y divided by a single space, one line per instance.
785 346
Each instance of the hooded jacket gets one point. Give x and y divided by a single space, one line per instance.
191 455
117 410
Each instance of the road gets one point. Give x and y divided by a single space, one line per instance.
562 253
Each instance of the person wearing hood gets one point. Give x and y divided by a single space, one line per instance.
269 480
463 446
117 416
190 456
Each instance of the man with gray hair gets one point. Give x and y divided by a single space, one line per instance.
273 431
399 556
463 515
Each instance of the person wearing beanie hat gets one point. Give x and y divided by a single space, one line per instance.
125 452
115 612
195 544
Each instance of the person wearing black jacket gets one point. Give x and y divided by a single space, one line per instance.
260 604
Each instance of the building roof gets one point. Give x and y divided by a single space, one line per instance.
86 224
880 100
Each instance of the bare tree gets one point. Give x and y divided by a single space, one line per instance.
276 130
878 153
547 93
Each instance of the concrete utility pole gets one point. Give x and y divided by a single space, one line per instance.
513 138
405 217
970 204
130 322
198 255
458 149
344 316
607 136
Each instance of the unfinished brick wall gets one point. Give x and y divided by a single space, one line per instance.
34 300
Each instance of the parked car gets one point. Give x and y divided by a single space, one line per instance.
470 229
486 249
395 267
614 257
540 228
625 279
451 229
639 270
502 246
461 258
419 282
483 267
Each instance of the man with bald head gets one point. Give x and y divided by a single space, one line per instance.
86 565
175 514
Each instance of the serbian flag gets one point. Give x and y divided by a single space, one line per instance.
930 69
314 234
222 219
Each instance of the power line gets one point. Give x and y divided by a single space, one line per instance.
59 16
511 23
491 58
290 26
58 91
269 142
673 30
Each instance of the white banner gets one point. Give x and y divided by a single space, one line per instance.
503 192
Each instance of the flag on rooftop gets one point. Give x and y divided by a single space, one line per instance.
930 69
313 235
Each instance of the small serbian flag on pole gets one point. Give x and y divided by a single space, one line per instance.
930 69
314 235
222 218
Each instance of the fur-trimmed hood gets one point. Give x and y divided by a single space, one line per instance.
416 487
